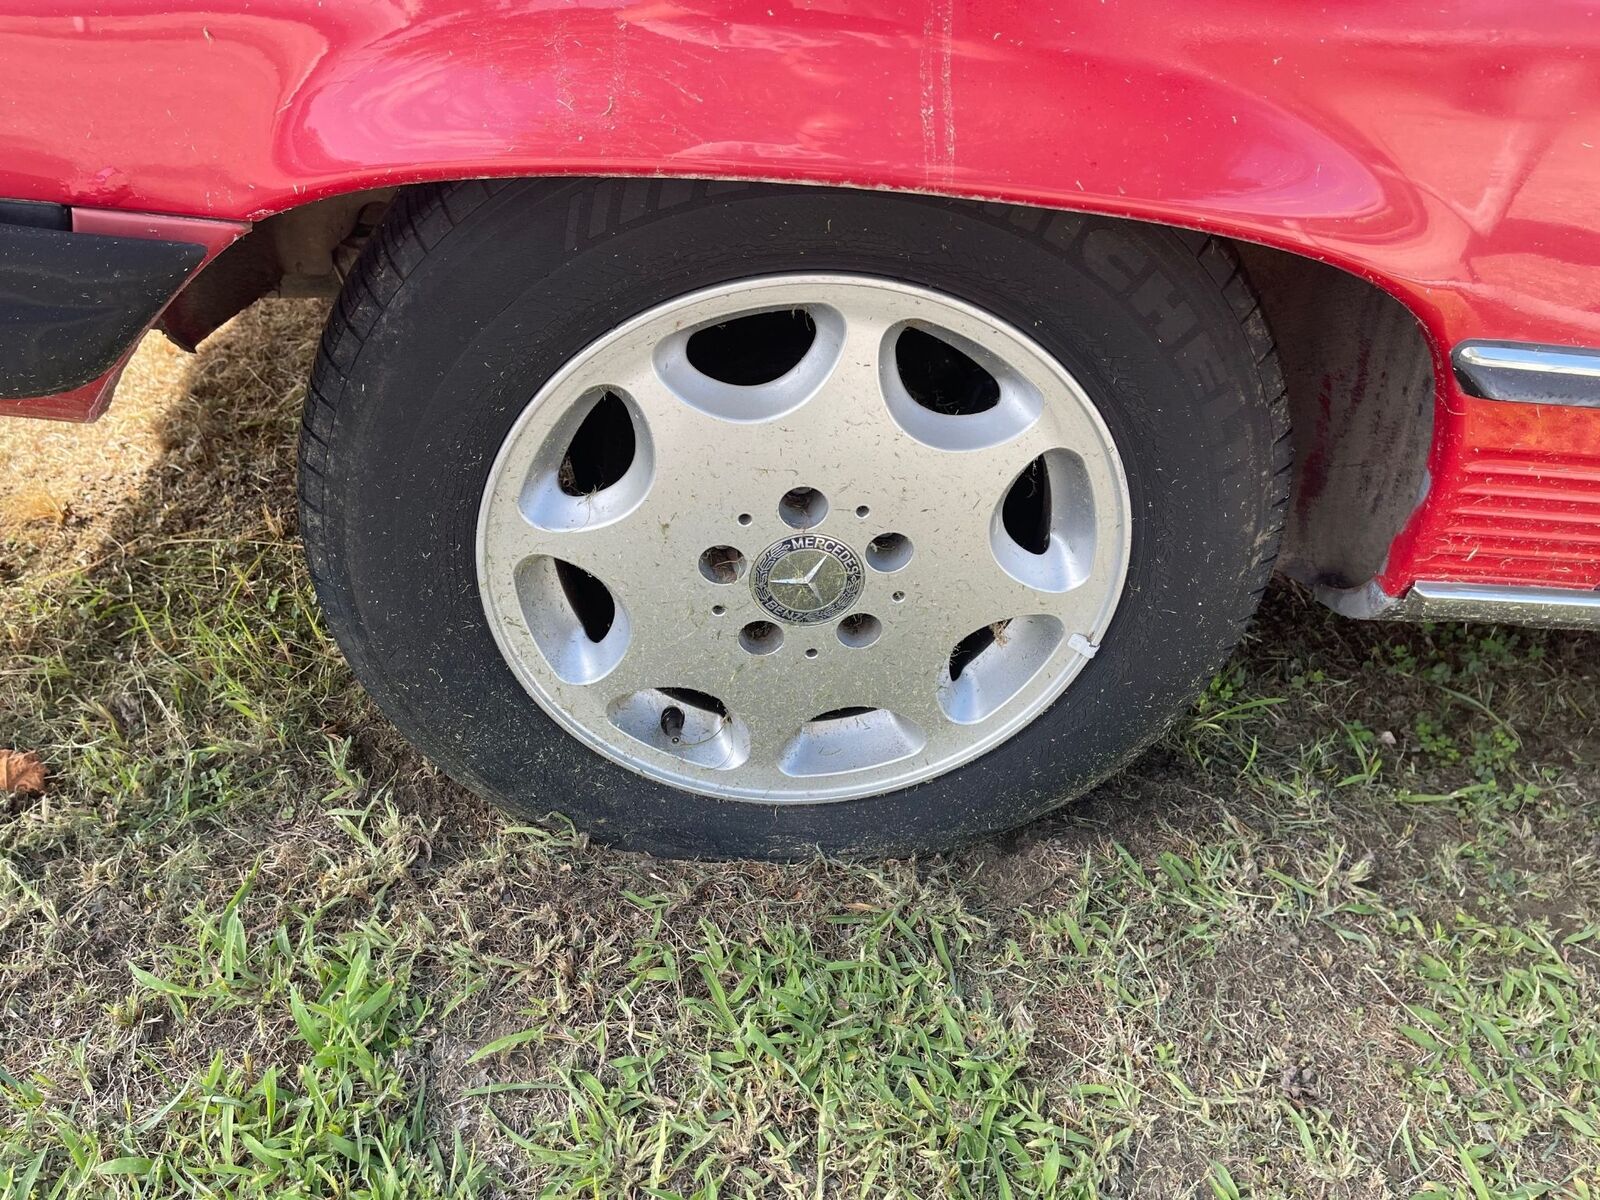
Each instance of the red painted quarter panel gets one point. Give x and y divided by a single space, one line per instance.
1449 152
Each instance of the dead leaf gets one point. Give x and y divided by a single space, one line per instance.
1299 1082
21 773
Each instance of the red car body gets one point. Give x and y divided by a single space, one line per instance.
1449 154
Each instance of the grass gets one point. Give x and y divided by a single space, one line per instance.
1337 936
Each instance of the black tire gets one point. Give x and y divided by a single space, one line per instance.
472 294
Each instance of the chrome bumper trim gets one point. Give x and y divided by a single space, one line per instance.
1528 373
1558 608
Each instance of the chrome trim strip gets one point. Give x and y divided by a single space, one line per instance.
1559 608
1528 373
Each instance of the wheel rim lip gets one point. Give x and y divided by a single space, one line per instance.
764 293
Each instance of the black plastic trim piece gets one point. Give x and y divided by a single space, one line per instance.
71 303
36 213
1529 373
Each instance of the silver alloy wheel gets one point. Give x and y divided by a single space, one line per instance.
809 588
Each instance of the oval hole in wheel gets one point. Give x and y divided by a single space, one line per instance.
1043 530
601 451
574 619
593 468
687 724
1025 511
752 366
942 378
850 739
752 350
994 663
588 598
951 393
839 714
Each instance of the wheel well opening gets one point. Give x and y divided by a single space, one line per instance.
302 253
1358 370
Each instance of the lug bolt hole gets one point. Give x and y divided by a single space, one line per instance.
863 512
717 610
745 518
812 653
898 597
889 552
860 629
722 564
803 507
761 637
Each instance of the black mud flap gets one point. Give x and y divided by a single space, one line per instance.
71 303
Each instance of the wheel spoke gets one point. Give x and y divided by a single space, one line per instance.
956 493
981 597
851 399
774 705
911 688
